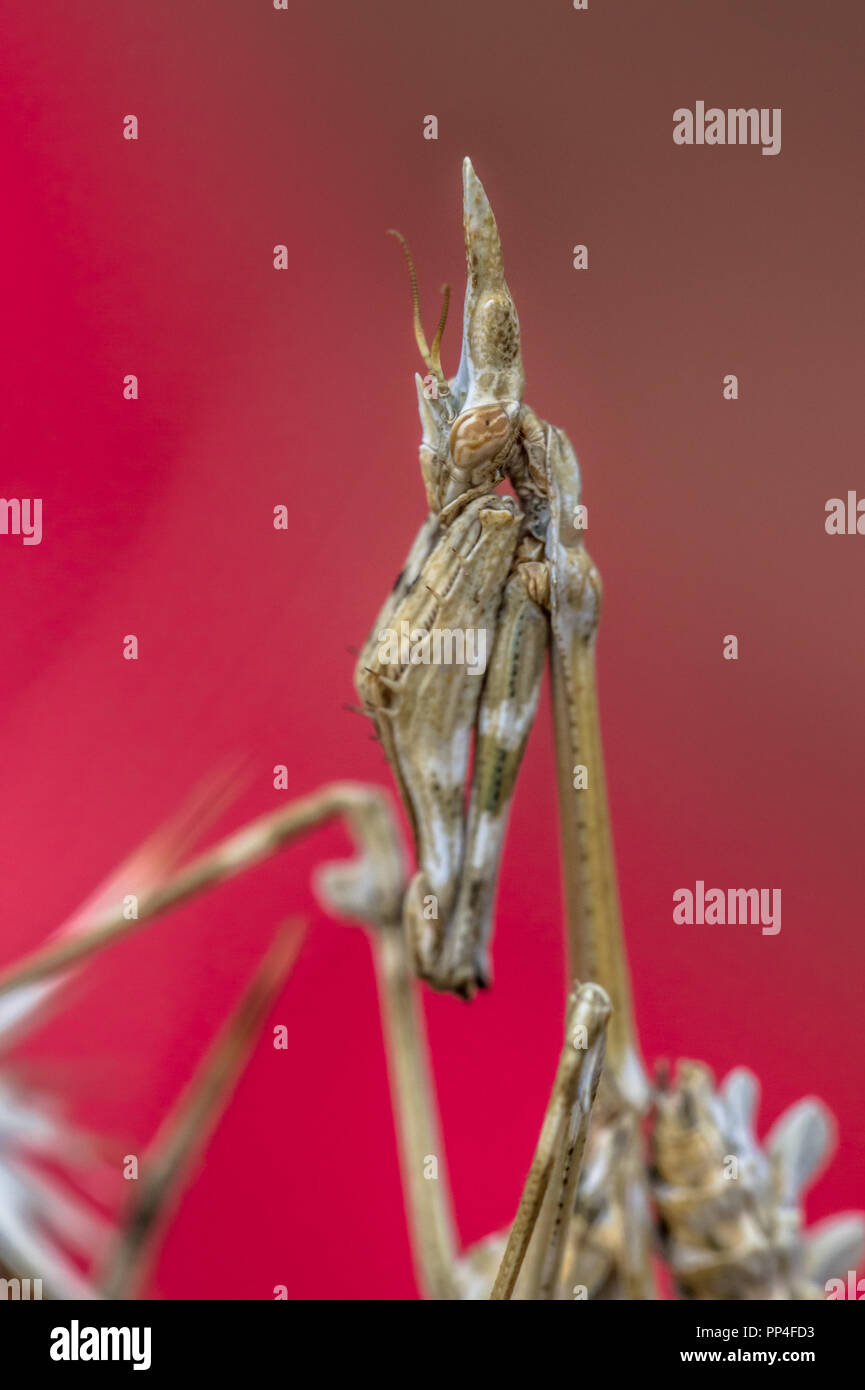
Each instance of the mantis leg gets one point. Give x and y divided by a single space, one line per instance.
507 709
547 1204
595 937
369 889
591 895
427 1195
425 698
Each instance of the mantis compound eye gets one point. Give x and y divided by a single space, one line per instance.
480 435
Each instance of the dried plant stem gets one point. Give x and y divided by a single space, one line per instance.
427 1198
561 1142
185 1130
237 853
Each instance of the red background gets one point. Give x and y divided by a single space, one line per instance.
257 388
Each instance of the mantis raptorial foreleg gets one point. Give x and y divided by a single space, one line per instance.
425 711
507 709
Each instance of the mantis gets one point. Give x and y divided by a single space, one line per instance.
516 567
624 1171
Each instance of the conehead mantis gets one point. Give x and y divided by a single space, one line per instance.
516 567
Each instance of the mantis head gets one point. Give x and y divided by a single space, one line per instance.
470 422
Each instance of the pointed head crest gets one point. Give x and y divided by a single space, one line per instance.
470 422
491 367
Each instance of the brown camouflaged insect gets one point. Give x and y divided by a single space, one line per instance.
669 1172
518 571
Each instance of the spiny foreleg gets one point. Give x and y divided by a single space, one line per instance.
507 710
